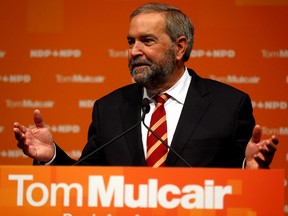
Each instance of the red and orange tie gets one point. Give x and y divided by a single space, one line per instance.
156 151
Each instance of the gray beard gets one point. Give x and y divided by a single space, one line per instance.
155 74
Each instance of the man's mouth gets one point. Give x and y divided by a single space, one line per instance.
139 66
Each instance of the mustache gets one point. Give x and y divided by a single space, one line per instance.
138 62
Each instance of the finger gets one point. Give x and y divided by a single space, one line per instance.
275 140
17 134
21 145
22 128
19 131
38 120
268 150
271 144
262 163
256 134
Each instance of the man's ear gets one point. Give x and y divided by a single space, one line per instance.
181 47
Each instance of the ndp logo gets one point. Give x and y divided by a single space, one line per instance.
12 153
64 128
62 53
15 78
270 105
86 103
215 53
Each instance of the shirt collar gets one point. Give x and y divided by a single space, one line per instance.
178 91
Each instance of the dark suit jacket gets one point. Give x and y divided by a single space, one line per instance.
214 128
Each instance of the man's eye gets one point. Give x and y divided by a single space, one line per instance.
131 41
149 41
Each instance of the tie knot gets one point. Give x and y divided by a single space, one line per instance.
161 98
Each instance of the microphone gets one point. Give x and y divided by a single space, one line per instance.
145 110
145 107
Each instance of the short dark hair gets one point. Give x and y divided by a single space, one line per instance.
177 23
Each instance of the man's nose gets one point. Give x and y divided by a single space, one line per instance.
136 49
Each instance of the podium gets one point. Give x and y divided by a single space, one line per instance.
139 191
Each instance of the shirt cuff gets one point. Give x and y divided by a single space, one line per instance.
244 164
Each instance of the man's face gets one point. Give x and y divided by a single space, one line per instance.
151 53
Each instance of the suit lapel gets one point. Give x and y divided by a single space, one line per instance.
130 113
193 110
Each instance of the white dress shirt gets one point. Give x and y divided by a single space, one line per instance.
173 108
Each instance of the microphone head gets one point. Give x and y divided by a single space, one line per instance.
146 105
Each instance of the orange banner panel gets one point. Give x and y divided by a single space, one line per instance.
140 191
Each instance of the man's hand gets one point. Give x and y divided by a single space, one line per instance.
36 142
259 153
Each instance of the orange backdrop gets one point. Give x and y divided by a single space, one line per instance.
61 55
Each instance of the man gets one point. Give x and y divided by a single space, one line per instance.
209 124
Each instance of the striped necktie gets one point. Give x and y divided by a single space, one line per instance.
156 151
